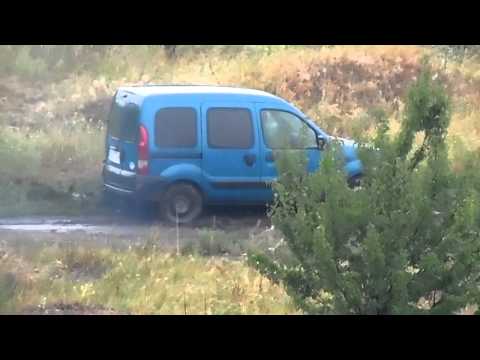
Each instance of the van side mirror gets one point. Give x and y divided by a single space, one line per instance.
322 142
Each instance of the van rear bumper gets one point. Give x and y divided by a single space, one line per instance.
117 190
132 185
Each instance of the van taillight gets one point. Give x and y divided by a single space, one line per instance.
142 165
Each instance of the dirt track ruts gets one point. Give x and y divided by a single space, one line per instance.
128 229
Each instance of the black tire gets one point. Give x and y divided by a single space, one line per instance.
183 200
355 181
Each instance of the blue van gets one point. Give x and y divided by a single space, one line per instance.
186 146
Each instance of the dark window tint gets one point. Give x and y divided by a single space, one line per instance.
176 127
230 128
123 121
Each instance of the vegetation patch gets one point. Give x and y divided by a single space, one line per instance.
405 242
138 280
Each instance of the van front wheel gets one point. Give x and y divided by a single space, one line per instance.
182 203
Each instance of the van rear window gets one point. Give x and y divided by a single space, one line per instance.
123 122
176 128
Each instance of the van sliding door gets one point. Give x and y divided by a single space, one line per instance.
230 161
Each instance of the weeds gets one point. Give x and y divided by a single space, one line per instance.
150 283
55 171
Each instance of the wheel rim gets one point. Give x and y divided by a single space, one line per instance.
181 206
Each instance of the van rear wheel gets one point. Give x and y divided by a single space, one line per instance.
182 202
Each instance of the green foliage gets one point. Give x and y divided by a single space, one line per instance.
134 281
215 243
427 111
28 66
405 242
55 171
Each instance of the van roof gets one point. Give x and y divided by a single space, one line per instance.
152 90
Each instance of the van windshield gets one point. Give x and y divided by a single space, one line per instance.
123 121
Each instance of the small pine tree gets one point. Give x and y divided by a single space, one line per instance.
406 242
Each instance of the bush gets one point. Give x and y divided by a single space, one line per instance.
406 242
26 65
217 243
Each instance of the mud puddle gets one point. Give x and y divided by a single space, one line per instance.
94 225
232 220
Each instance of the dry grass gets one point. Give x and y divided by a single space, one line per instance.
137 282
337 86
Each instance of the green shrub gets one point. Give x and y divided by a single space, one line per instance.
26 65
405 242
216 243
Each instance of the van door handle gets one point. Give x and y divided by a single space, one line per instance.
249 159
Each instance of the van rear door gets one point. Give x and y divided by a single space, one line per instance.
122 134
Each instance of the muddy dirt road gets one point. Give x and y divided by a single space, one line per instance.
129 229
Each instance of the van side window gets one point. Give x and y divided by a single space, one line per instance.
176 128
230 128
284 130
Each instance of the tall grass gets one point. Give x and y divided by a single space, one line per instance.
54 170
139 282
